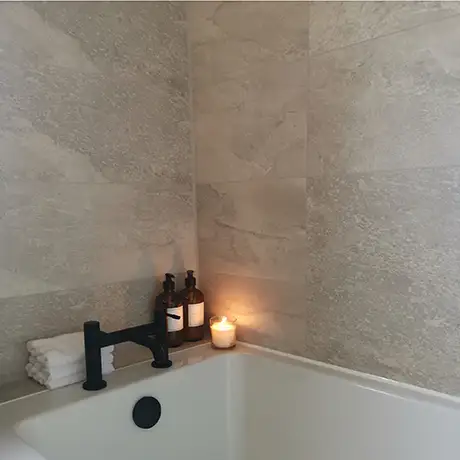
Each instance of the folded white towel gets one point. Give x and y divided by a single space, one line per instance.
61 350
52 382
35 367
106 356
53 359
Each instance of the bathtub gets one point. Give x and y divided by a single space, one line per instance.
246 404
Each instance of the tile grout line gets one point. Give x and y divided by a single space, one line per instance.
81 287
334 175
260 179
192 140
382 171
174 187
305 208
390 34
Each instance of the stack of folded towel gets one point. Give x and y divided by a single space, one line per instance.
60 361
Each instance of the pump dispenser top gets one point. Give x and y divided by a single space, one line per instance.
190 280
168 284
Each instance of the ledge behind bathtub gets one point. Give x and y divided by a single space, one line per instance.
125 354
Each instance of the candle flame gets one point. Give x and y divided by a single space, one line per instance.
224 319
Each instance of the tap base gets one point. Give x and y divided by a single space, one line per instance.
162 364
94 386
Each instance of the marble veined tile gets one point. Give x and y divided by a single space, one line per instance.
249 76
273 27
28 154
94 100
382 282
339 24
253 229
96 200
125 38
63 236
386 104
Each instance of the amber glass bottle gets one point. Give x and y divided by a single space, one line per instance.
193 300
170 300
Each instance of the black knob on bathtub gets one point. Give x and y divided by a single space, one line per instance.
147 412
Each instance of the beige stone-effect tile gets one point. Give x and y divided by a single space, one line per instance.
63 236
249 77
125 38
94 100
386 104
340 24
382 281
269 313
96 193
253 229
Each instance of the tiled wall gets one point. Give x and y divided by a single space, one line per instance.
249 79
328 170
95 165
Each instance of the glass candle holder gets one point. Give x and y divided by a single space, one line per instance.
223 331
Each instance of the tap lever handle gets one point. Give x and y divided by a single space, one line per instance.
173 316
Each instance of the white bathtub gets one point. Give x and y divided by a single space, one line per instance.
248 404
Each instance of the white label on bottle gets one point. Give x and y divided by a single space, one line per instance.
196 314
176 324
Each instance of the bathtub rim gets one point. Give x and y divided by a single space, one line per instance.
203 351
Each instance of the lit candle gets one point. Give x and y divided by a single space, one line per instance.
223 332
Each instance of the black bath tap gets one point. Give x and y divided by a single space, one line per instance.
151 335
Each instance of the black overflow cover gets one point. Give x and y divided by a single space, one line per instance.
147 412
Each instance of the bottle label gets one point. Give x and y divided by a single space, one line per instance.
176 324
195 314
